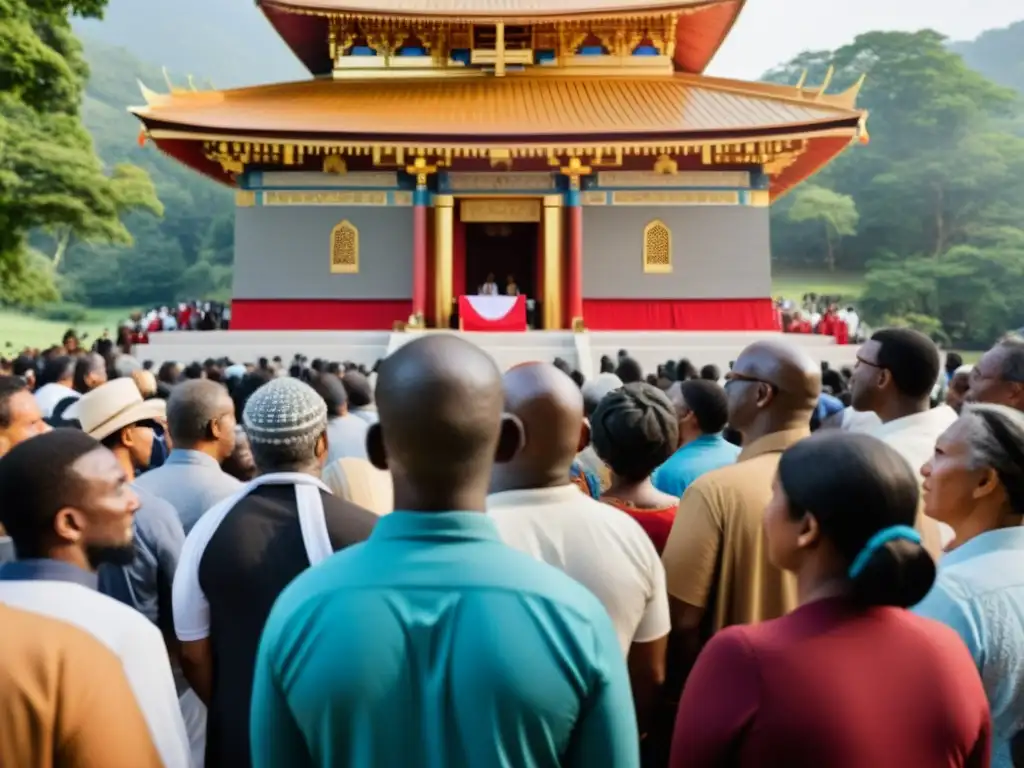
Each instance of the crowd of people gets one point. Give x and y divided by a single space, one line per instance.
822 315
434 563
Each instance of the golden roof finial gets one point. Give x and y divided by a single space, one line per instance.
828 79
848 98
801 81
192 84
151 97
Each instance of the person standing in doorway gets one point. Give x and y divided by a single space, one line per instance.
490 287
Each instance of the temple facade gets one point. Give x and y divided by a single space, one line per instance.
572 146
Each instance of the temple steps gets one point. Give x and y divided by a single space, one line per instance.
582 351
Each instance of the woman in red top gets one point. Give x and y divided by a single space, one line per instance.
849 679
634 431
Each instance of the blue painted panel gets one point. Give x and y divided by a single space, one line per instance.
590 50
646 50
461 55
544 56
413 51
362 50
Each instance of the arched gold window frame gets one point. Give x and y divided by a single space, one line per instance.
344 269
649 267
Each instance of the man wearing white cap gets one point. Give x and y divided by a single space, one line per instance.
116 414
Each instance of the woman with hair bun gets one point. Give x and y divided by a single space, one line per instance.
849 679
975 484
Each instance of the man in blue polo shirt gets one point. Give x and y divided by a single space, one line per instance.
432 643
703 411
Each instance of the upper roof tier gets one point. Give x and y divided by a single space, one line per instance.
306 26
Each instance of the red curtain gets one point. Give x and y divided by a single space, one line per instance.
680 315
318 314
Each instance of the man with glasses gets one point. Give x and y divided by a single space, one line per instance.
998 378
717 571
895 373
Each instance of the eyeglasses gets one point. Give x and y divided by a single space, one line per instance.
732 377
870 364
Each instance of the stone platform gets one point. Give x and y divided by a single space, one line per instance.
581 350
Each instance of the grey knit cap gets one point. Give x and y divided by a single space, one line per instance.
284 411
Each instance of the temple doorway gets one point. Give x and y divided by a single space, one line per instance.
502 250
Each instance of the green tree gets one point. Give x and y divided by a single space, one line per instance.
50 175
835 213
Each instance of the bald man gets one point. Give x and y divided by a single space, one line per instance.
538 510
717 571
434 643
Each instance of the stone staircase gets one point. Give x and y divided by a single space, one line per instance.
652 348
510 349
581 350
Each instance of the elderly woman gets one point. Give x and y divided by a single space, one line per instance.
975 483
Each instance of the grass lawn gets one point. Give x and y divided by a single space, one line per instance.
794 283
19 330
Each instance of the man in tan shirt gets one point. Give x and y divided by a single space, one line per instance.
64 699
716 564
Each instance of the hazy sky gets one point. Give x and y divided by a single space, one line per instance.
772 31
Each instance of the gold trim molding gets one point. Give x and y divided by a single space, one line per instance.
245 198
498 182
730 179
500 211
275 198
675 197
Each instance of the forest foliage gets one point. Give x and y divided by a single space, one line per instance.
933 201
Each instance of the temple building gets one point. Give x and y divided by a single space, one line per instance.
574 146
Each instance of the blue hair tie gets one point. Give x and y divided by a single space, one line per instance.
879 540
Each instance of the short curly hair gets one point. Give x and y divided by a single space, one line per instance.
634 430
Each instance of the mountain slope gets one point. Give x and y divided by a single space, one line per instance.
228 42
998 54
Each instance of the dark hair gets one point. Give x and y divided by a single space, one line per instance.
193 371
190 409
166 372
912 359
629 371
833 379
685 370
708 402
87 364
357 387
330 389
245 388
9 387
953 361
578 378
36 482
57 368
710 373
22 365
607 366
634 430
857 486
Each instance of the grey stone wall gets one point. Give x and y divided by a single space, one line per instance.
284 253
717 252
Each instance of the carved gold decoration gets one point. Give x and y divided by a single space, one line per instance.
501 158
675 197
403 198
666 165
578 325
245 198
781 162
319 180
345 249
575 170
335 164
421 169
657 250
500 210
280 198
499 182
594 198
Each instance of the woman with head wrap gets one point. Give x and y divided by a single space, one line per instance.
634 431
975 484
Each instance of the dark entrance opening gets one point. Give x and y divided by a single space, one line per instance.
502 250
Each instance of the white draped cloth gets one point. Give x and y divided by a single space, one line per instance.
492 307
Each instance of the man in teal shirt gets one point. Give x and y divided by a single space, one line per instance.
703 412
433 644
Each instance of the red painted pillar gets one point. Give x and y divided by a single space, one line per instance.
574 276
419 252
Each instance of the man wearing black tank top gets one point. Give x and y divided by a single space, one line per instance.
247 549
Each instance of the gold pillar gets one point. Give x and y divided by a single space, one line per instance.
552 262
444 225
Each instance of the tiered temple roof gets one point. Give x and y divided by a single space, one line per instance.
580 88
